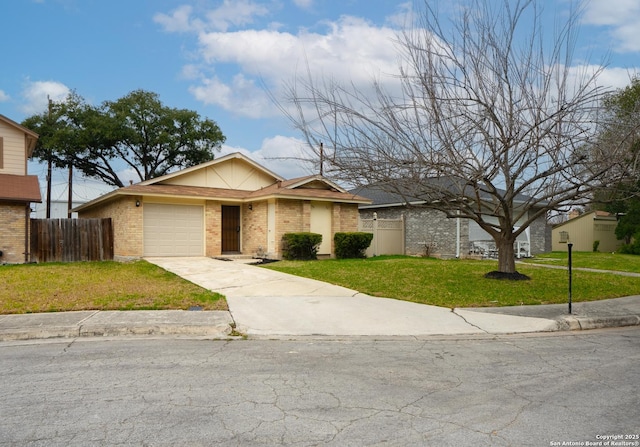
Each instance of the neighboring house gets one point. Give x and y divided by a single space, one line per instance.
582 231
430 232
17 190
230 205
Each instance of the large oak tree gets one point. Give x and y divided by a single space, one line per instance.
136 132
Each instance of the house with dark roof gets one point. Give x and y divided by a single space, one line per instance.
584 230
228 206
430 232
17 190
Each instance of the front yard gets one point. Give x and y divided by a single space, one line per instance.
98 286
460 283
448 283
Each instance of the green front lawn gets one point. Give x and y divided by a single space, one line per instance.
98 286
594 260
461 283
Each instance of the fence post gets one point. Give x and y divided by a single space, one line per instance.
375 234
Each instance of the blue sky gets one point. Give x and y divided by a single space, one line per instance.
216 56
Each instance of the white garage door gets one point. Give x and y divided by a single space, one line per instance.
173 230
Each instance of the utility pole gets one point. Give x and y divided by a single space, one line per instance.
70 196
49 163
321 157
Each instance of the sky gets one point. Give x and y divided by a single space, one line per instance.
226 58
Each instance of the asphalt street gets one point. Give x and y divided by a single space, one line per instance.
483 390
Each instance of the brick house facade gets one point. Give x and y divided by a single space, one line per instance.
17 190
228 206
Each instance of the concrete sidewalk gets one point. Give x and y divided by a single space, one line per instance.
268 304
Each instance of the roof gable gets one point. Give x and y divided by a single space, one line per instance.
233 171
30 136
593 215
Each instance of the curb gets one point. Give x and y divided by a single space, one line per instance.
115 331
586 323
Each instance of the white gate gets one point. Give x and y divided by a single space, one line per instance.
388 235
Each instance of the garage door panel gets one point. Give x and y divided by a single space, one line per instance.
173 230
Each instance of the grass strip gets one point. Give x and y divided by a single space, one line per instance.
138 285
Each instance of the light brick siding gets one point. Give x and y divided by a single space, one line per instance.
213 228
254 228
13 232
290 219
345 220
127 221
291 216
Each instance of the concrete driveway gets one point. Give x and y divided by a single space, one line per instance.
266 303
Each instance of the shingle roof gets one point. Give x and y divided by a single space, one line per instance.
294 188
383 195
20 188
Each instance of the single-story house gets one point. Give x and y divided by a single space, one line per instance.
582 231
429 231
230 205
17 190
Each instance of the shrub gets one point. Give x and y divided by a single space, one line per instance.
300 246
596 244
633 248
352 245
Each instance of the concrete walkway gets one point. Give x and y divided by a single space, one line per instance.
268 304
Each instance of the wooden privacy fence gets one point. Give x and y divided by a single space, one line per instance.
69 240
388 235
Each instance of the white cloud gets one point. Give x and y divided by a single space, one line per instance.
616 77
282 155
179 21
231 13
352 50
36 95
3 96
303 4
404 17
235 13
241 96
622 16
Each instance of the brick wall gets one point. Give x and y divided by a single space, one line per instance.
289 219
254 228
127 220
12 232
213 228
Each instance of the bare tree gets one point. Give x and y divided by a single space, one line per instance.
490 122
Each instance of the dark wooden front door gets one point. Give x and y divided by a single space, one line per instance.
230 229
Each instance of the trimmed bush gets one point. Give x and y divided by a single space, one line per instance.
300 246
352 245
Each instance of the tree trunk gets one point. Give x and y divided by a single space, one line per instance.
506 255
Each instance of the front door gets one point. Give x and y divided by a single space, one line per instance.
230 229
